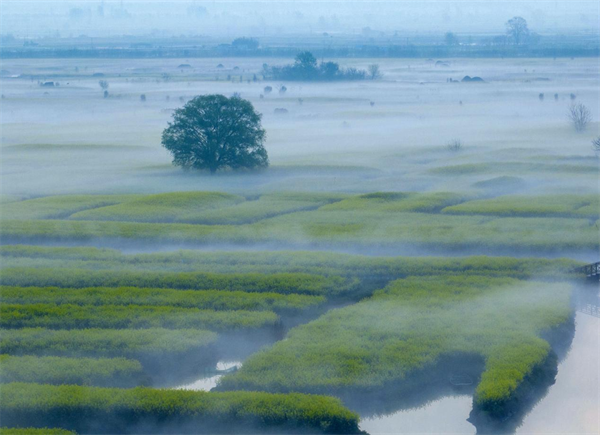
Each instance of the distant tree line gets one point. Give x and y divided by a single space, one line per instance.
306 68
245 43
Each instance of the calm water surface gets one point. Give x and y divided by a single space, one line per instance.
571 405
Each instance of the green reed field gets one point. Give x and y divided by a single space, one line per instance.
367 265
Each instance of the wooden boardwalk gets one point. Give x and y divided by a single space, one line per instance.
591 270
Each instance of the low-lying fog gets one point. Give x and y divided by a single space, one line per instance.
357 136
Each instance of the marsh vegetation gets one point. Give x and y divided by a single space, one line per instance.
410 246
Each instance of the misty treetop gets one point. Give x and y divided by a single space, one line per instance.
305 68
215 132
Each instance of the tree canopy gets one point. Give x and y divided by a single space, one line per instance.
245 43
306 68
215 132
517 29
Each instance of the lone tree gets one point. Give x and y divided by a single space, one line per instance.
215 132
103 85
374 72
516 28
580 116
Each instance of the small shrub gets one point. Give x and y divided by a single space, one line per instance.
596 145
580 116
455 145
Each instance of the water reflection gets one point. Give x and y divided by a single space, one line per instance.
570 405
446 415
209 381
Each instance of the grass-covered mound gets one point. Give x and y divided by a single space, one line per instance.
541 205
364 228
117 372
398 202
504 183
163 207
145 345
69 316
406 328
265 206
519 168
207 299
144 410
283 283
390 220
20 262
58 207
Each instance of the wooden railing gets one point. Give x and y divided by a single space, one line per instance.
591 270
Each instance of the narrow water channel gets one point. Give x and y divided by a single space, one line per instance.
571 405
209 381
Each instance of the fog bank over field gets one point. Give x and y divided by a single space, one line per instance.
359 136
234 18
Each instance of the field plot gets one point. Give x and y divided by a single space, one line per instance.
551 205
407 329
117 409
386 219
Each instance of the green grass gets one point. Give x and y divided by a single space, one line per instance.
265 206
383 219
539 206
34 431
334 228
164 207
397 202
406 328
69 316
327 264
502 183
130 343
119 372
512 167
207 299
283 283
58 207
116 409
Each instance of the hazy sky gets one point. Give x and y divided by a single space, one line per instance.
35 18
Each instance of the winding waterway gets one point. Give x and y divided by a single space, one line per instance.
571 405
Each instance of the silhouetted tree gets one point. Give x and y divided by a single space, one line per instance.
374 72
455 145
245 43
305 65
596 145
580 116
103 84
516 28
329 70
215 132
